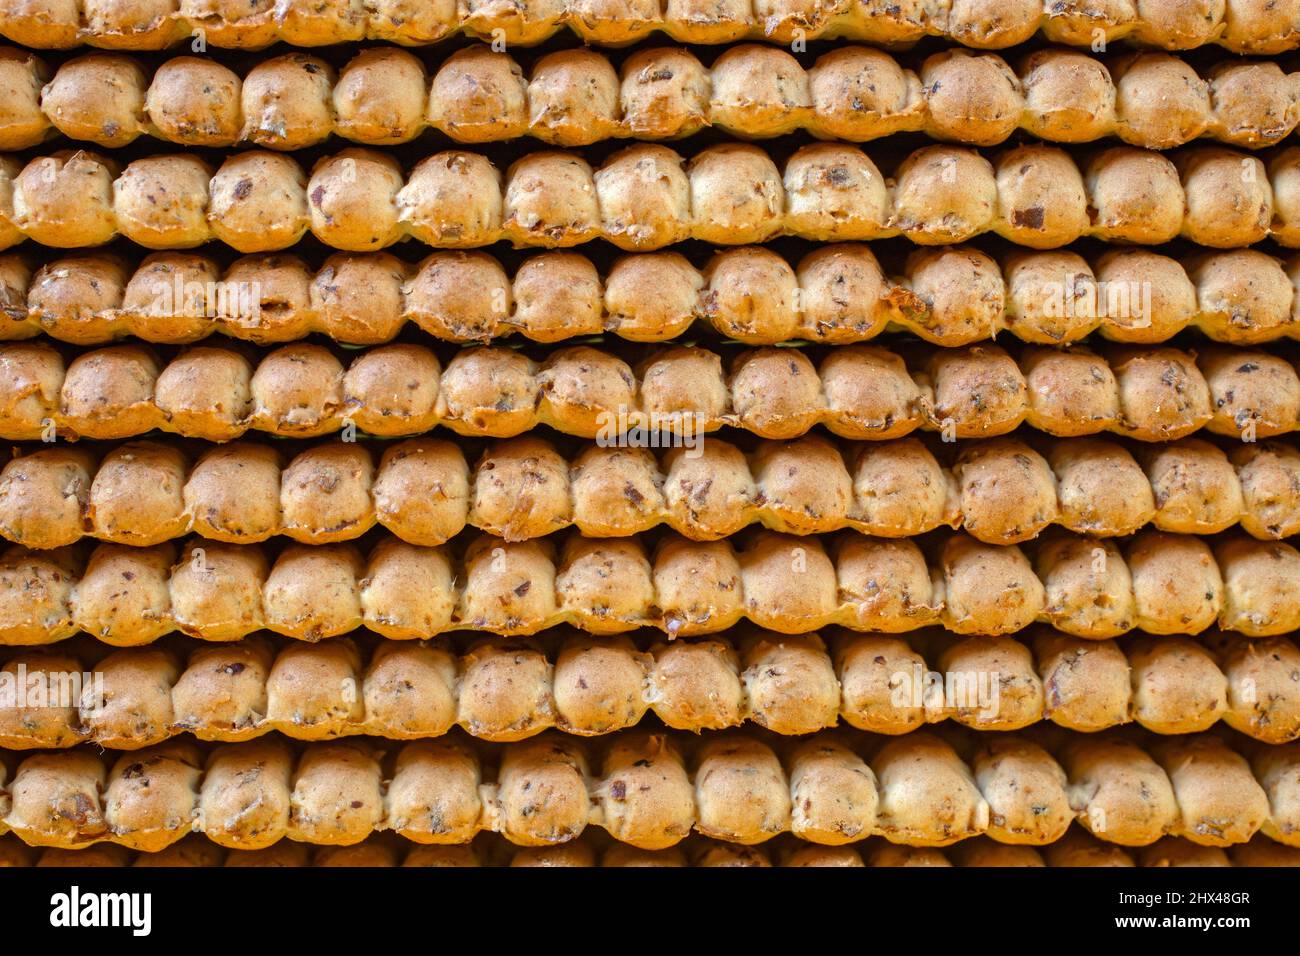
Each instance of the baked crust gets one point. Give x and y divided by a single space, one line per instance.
1161 584
426 491
858 392
837 294
1242 26
650 791
647 197
504 691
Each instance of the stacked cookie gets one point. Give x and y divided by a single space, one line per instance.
440 443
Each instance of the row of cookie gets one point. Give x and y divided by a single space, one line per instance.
1000 491
647 197
665 397
1242 26
653 790
576 98
1076 848
1159 583
836 294
507 690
